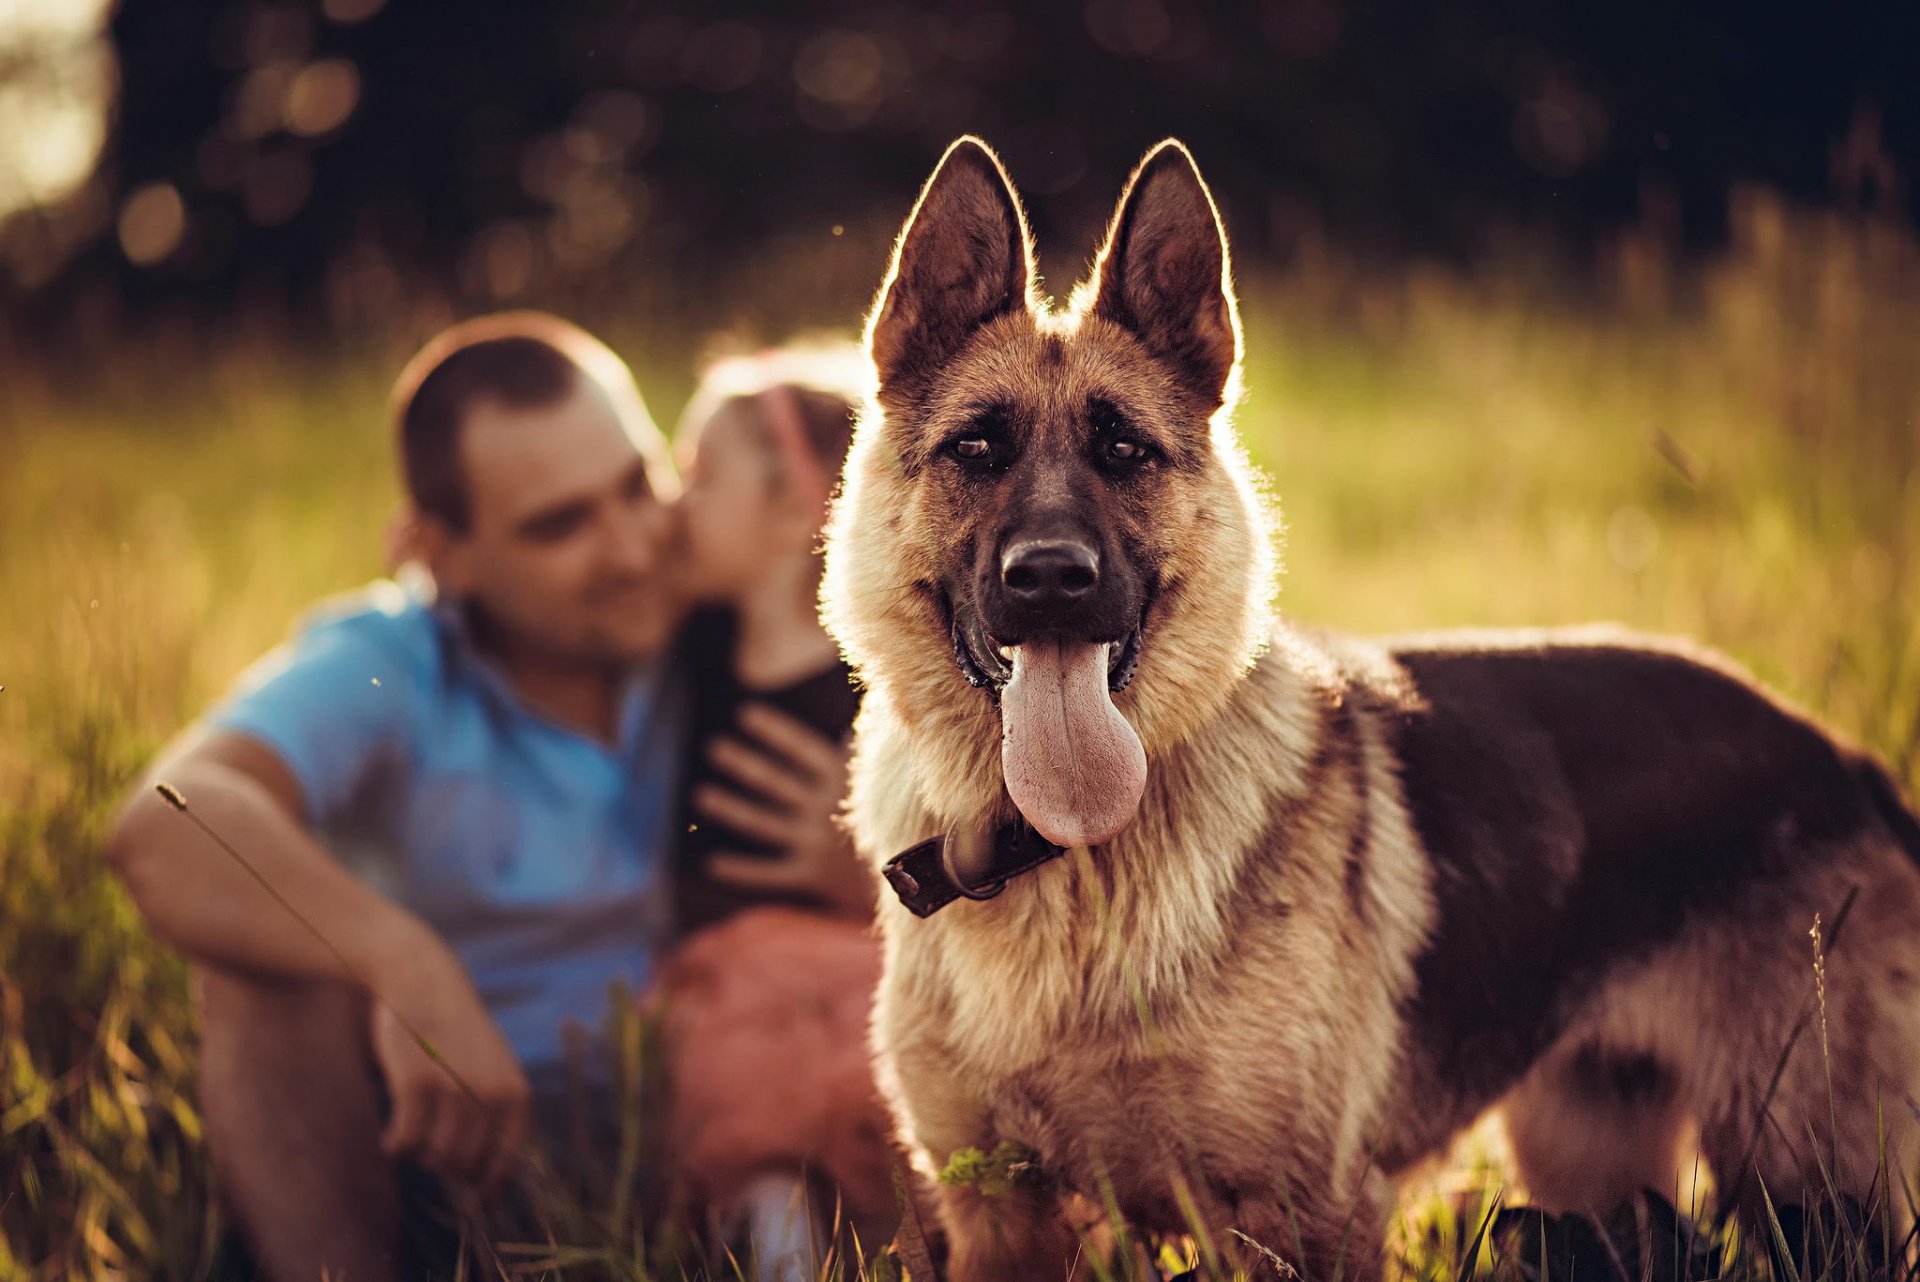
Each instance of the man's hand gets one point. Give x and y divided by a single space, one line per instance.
467 1125
804 780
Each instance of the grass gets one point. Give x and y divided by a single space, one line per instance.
1727 451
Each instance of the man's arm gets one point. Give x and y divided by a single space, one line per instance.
200 899
467 1123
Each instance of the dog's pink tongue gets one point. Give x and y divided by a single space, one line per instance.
1073 765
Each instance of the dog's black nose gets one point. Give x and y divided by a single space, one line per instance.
1044 572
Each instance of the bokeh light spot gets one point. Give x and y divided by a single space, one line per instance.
152 223
321 97
259 101
840 67
348 12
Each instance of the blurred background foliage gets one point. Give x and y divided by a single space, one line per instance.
340 166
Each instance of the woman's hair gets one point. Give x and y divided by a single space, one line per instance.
799 401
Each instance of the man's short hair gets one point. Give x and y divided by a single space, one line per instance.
518 360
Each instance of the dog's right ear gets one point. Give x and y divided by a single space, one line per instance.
963 259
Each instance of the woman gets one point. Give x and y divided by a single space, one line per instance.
767 999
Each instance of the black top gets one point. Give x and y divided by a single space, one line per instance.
826 701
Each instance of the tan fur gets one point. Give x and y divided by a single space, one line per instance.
1003 1020
1207 1015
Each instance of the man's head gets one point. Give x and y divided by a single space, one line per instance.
538 483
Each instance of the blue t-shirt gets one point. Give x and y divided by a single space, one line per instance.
539 854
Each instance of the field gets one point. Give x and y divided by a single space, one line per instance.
1729 450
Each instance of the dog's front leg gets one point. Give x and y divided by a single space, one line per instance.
1016 1236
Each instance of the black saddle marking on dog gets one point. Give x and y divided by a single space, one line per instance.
1582 805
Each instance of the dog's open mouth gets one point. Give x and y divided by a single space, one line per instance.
988 665
1072 763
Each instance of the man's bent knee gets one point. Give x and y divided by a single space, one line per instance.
292 1108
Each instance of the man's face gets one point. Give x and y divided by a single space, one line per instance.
565 547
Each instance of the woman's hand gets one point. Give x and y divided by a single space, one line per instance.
804 781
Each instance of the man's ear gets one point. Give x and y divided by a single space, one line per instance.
1163 273
431 542
963 259
404 539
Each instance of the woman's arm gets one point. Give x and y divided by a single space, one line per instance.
801 815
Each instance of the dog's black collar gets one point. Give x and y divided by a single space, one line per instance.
925 878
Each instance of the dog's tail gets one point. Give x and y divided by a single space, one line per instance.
1892 808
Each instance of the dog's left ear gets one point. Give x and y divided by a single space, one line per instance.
1163 273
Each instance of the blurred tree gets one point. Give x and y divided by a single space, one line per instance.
319 163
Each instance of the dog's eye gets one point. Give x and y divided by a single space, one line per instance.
1123 450
973 448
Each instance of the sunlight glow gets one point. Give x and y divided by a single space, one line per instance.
56 85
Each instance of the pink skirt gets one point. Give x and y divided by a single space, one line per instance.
766 1028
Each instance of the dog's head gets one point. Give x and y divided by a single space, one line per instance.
1051 509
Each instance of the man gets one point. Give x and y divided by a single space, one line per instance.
468 794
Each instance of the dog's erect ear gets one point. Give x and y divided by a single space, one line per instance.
963 259
1163 273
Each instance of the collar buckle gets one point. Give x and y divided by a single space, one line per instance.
984 848
926 877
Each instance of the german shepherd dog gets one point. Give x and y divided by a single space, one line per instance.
1323 901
